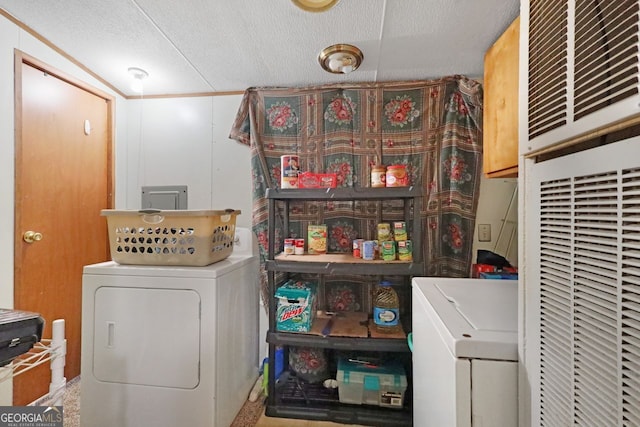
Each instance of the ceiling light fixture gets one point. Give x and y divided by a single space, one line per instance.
315 5
340 58
138 75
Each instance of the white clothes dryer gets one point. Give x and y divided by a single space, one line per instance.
169 346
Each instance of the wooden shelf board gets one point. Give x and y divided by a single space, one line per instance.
335 258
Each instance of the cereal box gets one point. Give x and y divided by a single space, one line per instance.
296 306
289 170
317 239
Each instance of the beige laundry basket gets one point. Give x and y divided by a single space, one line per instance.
170 237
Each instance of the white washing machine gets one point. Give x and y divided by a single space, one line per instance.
169 346
465 352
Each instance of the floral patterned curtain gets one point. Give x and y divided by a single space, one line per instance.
432 127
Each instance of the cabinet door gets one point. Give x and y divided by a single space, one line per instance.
500 133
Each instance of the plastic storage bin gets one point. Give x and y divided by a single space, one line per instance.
180 237
363 383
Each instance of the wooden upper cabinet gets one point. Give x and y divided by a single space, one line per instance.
500 123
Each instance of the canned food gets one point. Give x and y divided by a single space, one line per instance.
384 232
399 231
405 250
368 250
299 246
357 248
388 250
289 246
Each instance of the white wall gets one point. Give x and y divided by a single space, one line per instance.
184 141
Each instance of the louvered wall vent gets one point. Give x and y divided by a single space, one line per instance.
547 66
606 54
583 58
589 289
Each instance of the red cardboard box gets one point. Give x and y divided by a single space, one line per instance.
317 180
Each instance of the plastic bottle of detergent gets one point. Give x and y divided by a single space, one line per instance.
386 308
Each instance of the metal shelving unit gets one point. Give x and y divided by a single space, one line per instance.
313 402
52 350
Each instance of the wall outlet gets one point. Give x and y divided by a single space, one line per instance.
484 232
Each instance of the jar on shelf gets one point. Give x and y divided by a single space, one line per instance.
378 176
386 308
397 176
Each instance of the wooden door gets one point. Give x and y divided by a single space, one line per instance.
63 180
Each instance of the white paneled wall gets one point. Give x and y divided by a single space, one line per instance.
231 162
184 141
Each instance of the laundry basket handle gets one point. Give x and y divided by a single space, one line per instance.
151 216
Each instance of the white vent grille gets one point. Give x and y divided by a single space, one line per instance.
630 272
555 297
595 299
547 66
583 67
589 322
606 54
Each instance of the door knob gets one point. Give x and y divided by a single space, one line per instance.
32 236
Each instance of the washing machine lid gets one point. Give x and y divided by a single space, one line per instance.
477 318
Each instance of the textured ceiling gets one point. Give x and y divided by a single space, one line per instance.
196 46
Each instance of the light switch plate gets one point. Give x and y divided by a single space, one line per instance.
484 232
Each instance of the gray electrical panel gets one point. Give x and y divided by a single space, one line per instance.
166 197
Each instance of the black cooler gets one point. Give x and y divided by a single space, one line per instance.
19 331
